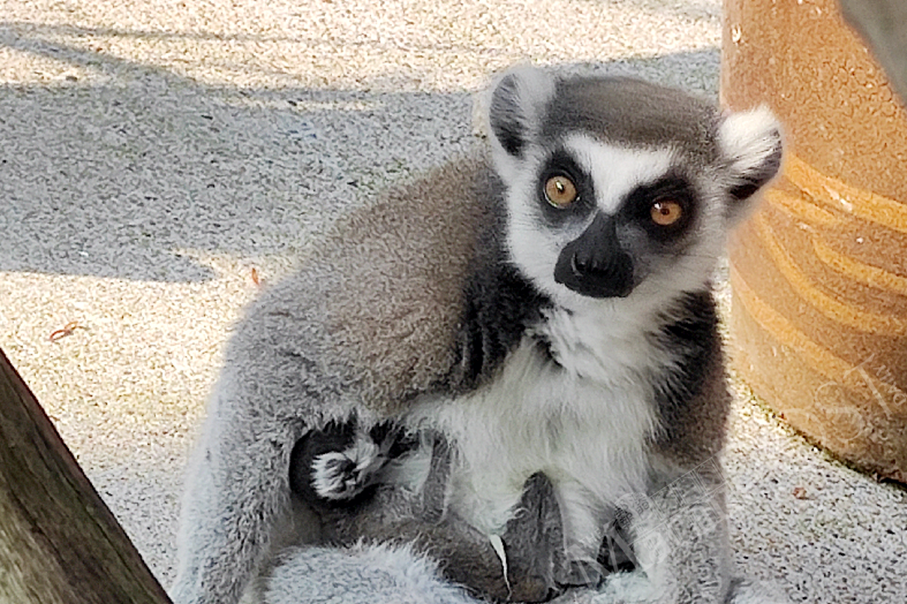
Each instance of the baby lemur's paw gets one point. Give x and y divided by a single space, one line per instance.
343 475
335 466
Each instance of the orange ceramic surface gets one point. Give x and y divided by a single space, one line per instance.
819 273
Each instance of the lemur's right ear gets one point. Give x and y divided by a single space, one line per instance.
517 106
753 147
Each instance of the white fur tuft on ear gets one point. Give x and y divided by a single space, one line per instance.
747 137
752 146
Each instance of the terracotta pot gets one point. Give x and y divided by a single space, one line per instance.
819 273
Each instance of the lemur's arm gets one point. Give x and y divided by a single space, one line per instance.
236 492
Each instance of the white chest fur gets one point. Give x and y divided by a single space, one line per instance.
583 421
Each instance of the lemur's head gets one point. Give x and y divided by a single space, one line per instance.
619 188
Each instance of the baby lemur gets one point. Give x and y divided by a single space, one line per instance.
339 470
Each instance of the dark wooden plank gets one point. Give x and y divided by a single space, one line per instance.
59 542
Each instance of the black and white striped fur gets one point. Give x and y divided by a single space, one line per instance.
580 343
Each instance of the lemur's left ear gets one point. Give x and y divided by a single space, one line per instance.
752 147
516 109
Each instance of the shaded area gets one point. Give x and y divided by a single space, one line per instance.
135 172
881 23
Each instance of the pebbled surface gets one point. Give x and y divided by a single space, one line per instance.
158 158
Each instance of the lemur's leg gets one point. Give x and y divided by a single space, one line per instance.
533 546
534 541
361 574
236 492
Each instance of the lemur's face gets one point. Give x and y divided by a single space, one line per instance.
607 201
600 220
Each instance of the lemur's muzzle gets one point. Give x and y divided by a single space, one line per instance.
594 264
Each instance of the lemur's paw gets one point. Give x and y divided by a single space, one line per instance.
342 475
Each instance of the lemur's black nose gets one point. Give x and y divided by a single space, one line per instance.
594 264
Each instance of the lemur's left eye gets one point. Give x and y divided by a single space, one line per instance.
666 212
560 191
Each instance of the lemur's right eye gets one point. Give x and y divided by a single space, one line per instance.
666 212
560 191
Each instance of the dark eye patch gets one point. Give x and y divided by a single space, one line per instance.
670 189
561 163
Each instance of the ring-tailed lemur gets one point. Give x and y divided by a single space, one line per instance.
544 307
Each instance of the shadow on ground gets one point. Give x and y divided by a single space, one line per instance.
135 172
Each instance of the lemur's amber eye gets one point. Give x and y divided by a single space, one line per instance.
560 191
666 212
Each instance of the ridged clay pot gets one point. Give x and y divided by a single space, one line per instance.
819 272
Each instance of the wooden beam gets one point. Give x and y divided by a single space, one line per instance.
59 542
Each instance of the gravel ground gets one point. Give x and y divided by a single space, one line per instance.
155 155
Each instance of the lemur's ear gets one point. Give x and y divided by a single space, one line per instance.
517 106
752 146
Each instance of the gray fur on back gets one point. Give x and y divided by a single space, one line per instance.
393 318
372 317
